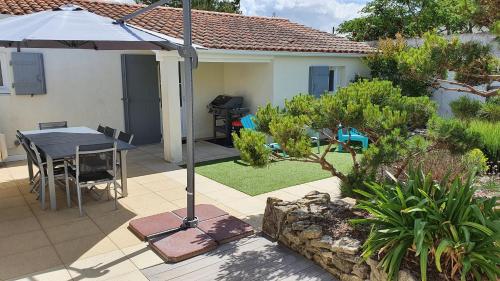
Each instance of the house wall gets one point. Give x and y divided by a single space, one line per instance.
291 74
84 87
253 81
208 81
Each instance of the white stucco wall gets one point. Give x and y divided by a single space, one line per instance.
84 87
291 74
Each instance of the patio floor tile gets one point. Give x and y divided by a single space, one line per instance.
101 267
113 220
28 262
84 247
123 238
49 218
183 245
172 194
9 189
142 256
72 231
14 213
24 242
12 227
59 273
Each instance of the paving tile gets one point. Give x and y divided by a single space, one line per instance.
15 213
113 220
59 273
48 218
9 189
248 206
84 247
142 201
183 245
225 228
24 242
142 256
123 238
72 231
28 262
13 201
146 226
101 267
18 226
202 211
172 194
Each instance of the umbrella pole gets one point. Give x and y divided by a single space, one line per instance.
191 220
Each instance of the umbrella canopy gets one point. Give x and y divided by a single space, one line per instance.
70 26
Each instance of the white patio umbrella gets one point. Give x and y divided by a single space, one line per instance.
70 26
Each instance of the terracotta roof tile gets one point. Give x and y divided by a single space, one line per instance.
211 29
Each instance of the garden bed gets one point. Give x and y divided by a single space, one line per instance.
319 229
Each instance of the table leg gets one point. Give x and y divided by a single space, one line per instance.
30 169
52 185
123 171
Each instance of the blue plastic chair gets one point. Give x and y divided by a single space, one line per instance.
353 135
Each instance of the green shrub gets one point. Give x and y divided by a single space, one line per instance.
253 149
475 159
489 133
453 135
465 108
490 112
436 223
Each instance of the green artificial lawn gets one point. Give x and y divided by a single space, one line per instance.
237 174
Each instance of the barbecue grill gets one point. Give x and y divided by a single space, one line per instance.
226 112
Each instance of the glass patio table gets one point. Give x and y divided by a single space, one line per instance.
61 143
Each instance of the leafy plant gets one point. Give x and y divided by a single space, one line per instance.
436 223
489 133
465 108
475 159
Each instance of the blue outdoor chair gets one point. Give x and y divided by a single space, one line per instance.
353 135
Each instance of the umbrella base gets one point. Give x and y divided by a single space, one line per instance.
174 243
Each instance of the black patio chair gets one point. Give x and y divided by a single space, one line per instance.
100 129
125 137
110 132
53 125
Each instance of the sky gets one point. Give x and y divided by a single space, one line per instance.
320 14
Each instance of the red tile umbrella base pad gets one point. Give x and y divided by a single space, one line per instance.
215 227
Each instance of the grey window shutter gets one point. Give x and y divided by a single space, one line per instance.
29 75
318 80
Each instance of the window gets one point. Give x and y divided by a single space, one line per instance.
323 79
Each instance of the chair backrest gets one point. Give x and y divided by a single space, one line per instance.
95 158
53 125
247 122
100 129
37 158
126 137
25 143
110 132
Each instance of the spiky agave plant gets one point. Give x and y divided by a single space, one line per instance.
429 221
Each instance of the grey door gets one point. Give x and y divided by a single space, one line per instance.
141 98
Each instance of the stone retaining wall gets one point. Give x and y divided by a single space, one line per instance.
293 225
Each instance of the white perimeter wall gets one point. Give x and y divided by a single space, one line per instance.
84 87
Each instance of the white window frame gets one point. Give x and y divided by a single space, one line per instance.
4 67
336 77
